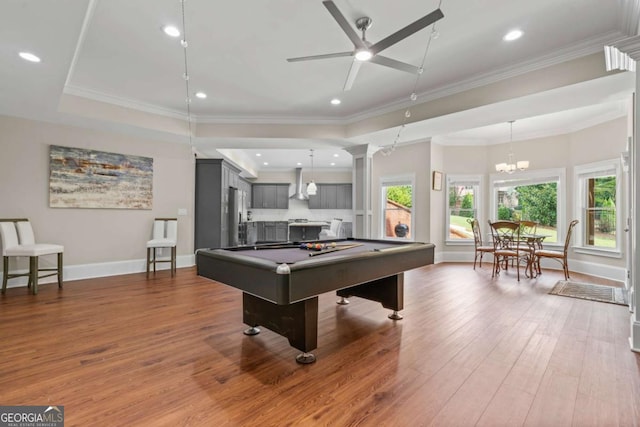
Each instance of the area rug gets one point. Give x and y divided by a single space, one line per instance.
610 294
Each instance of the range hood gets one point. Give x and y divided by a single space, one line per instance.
300 190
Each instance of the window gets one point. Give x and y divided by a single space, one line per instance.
597 199
397 208
534 196
463 193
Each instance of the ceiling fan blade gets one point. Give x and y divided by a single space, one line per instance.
325 56
388 62
353 72
405 32
344 24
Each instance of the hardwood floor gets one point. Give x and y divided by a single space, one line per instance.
470 350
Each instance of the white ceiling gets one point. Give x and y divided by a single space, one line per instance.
114 51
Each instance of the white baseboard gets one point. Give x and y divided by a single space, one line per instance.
634 339
115 268
590 268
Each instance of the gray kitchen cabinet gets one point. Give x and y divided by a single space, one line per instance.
213 179
331 196
282 231
272 231
270 196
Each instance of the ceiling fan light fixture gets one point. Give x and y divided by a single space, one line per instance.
364 55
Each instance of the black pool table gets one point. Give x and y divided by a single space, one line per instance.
281 282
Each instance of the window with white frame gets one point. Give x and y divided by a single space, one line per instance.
397 208
463 203
597 207
534 196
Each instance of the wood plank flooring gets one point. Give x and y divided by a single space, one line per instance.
471 350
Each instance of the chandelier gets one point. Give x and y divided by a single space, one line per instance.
511 165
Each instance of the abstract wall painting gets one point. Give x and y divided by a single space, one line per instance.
80 178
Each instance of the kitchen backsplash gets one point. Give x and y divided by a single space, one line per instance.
299 209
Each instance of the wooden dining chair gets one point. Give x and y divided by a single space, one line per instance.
480 247
528 227
506 239
560 256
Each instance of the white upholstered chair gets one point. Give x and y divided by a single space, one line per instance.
165 235
18 240
333 232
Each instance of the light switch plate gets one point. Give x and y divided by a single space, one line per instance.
182 212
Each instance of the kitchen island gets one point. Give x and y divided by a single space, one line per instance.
305 230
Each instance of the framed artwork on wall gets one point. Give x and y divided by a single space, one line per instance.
81 178
437 180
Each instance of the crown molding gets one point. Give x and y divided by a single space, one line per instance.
527 136
124 102
575 51
630 17
269 120
175 114
91 7
578 50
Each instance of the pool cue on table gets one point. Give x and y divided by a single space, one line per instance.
337 248
285 246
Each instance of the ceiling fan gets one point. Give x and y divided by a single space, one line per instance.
364 50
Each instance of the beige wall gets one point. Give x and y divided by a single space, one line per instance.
414 159
92 236
104 236
437 198
600 142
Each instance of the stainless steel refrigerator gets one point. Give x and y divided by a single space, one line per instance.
237 217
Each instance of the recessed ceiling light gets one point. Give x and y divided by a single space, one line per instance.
333 164
170 30
336 155
258 155
335 101
266 163
299 164
512 35
29 57
201 95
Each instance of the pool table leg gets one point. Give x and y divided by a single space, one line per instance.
389 291
298 322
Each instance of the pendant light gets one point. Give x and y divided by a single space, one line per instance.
312 189
511 165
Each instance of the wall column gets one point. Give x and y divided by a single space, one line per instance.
634 268
361 180
623 55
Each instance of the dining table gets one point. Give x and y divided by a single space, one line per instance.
533 242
